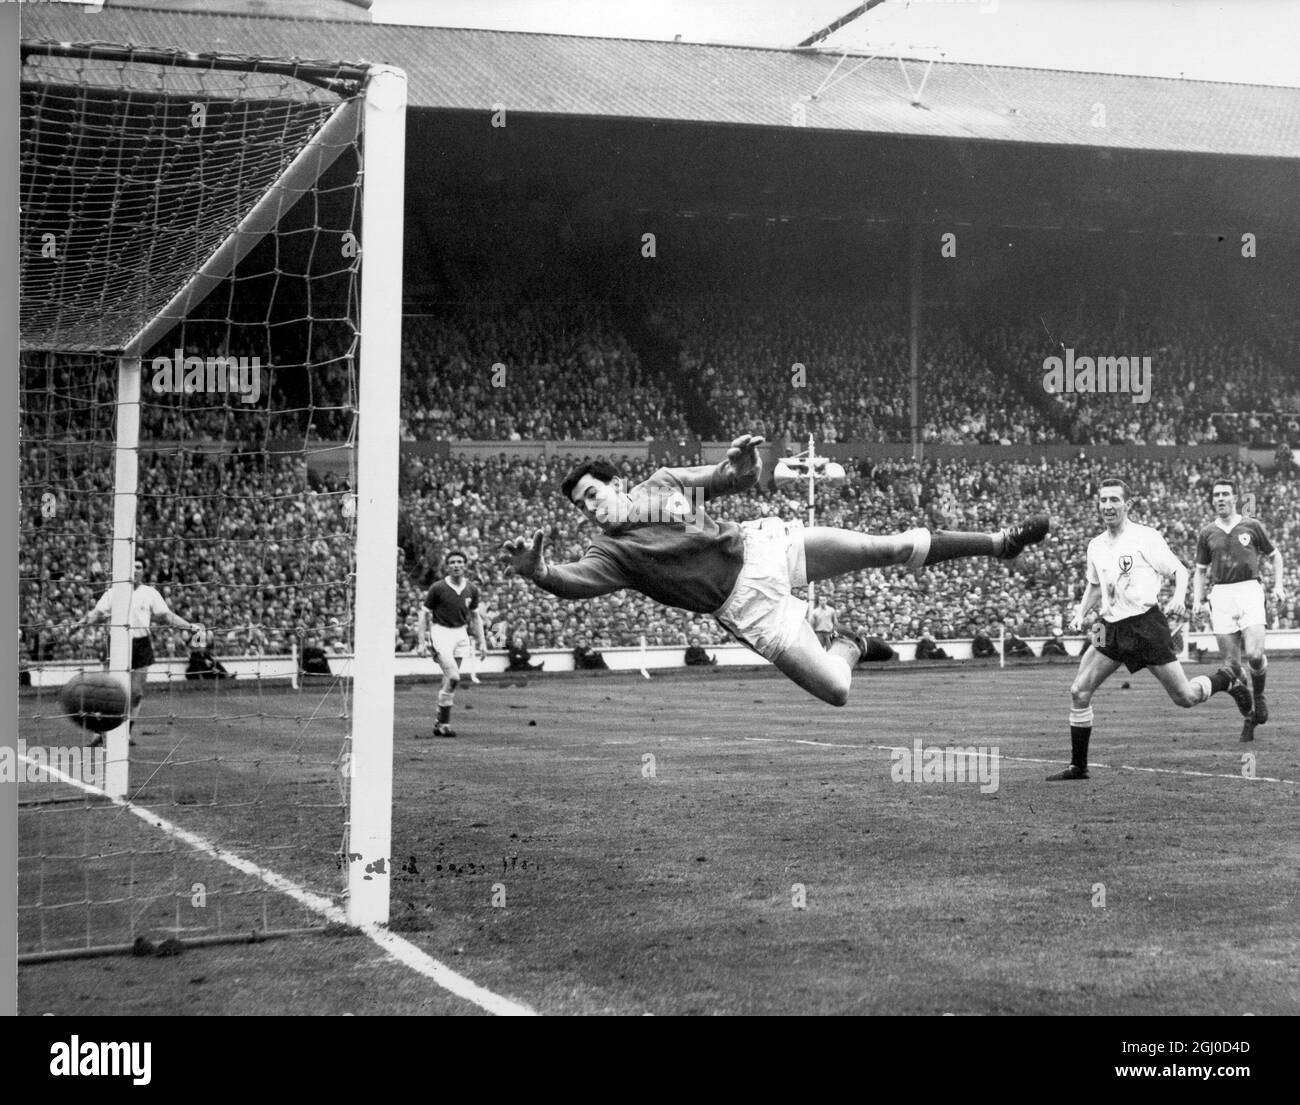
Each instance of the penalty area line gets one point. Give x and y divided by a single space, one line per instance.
395 946
1035 760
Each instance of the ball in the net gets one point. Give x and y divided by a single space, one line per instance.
94 700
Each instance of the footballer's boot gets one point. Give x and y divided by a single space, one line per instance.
1245 701
1261 709
441 730
1074 771
1018 538
1247 730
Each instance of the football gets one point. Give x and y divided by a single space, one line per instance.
95 700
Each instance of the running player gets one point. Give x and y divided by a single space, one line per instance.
656 538
450 607
1230 548
147 606
1126 565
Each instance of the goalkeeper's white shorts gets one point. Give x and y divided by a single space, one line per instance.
1234 606
761 612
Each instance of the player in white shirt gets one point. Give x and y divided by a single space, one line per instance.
147 606
1126 566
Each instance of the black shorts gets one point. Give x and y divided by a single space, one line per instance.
1140 641
141 653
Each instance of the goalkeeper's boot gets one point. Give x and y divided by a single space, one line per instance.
440 729
1261 709
1240 694
1248 730
1017 538
1074 771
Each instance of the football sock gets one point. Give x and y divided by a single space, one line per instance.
947 545
1080 734
444 715
847 649
1257 675
1221 680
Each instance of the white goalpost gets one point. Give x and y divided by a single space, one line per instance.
226 206
371 812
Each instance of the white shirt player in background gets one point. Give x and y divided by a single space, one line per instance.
147 607
1229 550
449 611
1127 565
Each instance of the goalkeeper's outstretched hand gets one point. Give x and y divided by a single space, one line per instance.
527 560
743 455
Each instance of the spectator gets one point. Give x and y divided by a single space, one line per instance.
519 656
696 656
203 664
1055 645
982 646
313 660
1014 645
586 658
926 649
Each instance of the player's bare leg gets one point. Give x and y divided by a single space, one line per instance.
1230 649
1190 692
826 673
469 667
1253 638
1094 670
446 694
831 552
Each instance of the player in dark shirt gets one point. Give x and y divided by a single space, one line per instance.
450 610
1229 550
657 539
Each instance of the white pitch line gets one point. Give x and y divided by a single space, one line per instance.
1032 760
395 946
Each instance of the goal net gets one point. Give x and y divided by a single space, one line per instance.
210 325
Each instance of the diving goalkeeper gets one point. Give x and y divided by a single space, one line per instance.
657 539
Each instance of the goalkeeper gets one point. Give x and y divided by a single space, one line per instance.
656 538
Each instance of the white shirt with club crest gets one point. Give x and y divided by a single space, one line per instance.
1130 569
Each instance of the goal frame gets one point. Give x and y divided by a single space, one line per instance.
374 122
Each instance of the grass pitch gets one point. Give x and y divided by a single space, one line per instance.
719 842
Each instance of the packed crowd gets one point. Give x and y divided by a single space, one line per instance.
1210 381
840 371
511 370
538 371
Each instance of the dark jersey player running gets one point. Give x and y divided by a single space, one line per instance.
450 609
657 539
1229 550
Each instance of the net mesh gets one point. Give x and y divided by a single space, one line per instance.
245 516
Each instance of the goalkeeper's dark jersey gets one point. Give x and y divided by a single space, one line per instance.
669 549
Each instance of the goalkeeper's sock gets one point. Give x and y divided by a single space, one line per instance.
950 545
444 715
